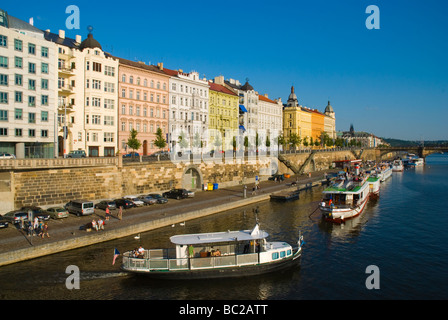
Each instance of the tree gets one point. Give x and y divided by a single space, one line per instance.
183 143
133 142
160 142
294 140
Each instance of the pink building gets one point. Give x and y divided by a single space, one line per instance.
142 104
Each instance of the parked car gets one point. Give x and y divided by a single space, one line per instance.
125 203
163 155
148 200
136 200
277 177
190 194
77 154
15 216
5 155
106 204
176 194
57 212
131 155
158 197
3 223
37 211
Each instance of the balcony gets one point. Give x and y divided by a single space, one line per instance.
66 88
65 70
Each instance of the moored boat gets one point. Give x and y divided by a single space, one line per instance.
215 255
385 171
345 199
374 186
397 166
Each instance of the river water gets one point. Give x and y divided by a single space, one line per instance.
403 233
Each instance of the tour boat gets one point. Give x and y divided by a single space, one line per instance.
417 162
345 199
215 255
374 186
386 171
397 166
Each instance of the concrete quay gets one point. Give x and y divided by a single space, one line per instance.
65 234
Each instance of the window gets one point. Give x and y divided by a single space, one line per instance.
3 79
3 41
3 115
31 67
44 116
45 52
3 62
123 93
96 67
18 45
109 104
282 254
123 78
18 132
32 48
108 137
108 120
31 133
44 68
3 131
18 114
18 62
44 133
109 87
32 84
18 96
96 119
173 87
109 71
44 100
274 255
3 97
31 101
123 126
123 109
44 84
31 117
131 80
96 84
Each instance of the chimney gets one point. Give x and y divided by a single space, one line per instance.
31 21
181 71
160 66
78 39
62 34
266 95
219 80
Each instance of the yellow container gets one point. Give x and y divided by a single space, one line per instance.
210 187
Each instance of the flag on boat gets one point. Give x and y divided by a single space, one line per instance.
116 254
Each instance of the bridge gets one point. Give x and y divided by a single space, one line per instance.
422 152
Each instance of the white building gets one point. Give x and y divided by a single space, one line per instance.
87 96
270 117
188 98
28 93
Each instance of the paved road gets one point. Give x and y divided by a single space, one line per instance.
13 238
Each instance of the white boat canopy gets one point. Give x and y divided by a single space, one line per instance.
214 237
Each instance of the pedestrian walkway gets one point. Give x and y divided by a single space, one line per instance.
13 239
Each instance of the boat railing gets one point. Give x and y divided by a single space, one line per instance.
152 260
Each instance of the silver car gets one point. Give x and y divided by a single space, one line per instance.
148 200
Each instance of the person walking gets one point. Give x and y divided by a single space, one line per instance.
45 231
120 213
107 214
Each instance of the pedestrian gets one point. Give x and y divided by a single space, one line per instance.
40 228
100 224
22 222
45 231
36 223
107 214
94 225
30 229
120 213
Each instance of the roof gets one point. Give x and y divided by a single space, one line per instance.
215 237
220 88
139 65
90 42
263 98
68 42
16 23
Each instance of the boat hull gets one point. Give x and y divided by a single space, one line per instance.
336 215
224 272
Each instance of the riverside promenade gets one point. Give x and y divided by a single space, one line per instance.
65 234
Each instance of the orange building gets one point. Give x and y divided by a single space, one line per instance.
317 124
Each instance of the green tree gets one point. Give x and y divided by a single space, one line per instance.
183 143
305 142
294 140
133 142
160 142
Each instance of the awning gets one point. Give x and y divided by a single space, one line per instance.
243 108
242 128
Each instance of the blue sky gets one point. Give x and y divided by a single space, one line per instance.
391 82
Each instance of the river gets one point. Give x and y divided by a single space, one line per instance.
403 233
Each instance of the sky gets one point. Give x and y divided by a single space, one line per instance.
390 81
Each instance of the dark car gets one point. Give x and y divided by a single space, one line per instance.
158 197
106 204
37 211
125 203
3 223
163 155
176 194
77 154
277 177
15 216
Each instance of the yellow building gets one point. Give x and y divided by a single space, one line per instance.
223 114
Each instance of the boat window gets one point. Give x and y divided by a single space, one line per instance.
282 254
289 252
274 255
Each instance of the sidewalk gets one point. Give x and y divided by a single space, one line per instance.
13 240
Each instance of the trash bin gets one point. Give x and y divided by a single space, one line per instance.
215 186
210 187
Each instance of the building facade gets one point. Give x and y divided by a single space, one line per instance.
223 115
270 118
143 104
28 93
188 110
